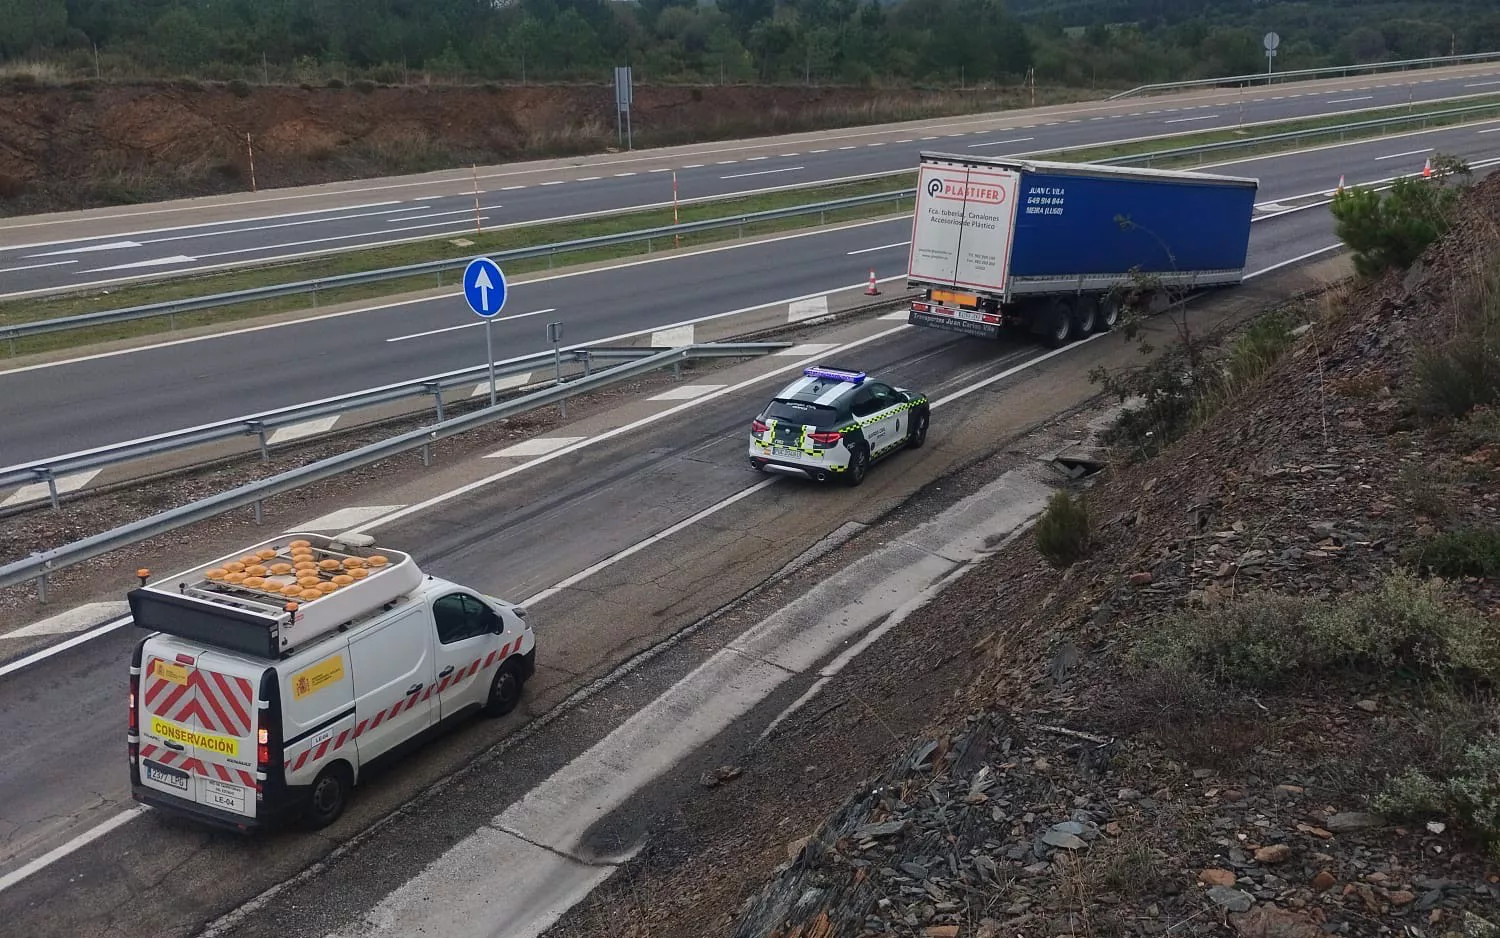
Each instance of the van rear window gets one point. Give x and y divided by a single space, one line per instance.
803 414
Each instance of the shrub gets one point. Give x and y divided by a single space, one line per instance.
1461 371
1391 231
1474 790
335 83
1259 349
1467 551
239 88
1063 534
1268 640
364 86
1412 794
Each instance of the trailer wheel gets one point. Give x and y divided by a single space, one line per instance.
1085 315
1056 322
1109 313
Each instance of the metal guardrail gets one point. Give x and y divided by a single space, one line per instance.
1301 73
648 235
40 565
262 424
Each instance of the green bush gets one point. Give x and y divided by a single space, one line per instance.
1470 792
1063 535
1467 551
1391 231
239 88
1412 794
364 86
1266 640
1259 348
1460 372
335 83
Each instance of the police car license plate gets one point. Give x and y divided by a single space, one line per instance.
228 797
165 776
785 452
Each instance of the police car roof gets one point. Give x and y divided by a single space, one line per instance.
821 385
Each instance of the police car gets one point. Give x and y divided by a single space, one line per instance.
832 423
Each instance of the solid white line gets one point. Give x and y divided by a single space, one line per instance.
999 143
764 172
467 325
639 546
21 664
83 839
1184 120
107 246
134 265
1491 130
1482 84
11 270
206 224
327 240
1396 156
404 209
815 232
883 247
1347 100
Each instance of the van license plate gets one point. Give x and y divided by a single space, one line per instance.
166 776
228 797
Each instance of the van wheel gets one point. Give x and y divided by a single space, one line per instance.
329 796
505 690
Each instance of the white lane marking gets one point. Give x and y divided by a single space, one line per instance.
879 143
764 172
883 247
907 140
21 664
850 147
243 229
1397 156
467 325
1491 130
1482 84
108 246
82 840
502 383
756 159
693 166
675 337
457 211
623 175
306 428
87 616
345 518
934 138
808 348
1347 100
900 315
589 178
817 151
663 169
1184 120
510 188
537 446
234 225
445 497
12 270
38 490
475 879
153 262
726 162
685 392
553 182
813 308
787 156
999 143
328 240
661 258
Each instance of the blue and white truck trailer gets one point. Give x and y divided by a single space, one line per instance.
1056 248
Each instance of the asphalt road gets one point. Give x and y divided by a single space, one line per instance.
96 401
162 877
50 252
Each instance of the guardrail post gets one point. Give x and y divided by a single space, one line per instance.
41 587
426 455
259 429
259 514
51 481
436 390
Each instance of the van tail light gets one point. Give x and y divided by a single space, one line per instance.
757 426
827 438
134 719
263 749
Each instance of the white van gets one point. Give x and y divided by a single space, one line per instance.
276 674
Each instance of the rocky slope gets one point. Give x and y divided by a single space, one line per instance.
1250 710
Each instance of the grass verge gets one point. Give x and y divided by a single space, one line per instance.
457 247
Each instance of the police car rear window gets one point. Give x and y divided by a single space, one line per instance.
802 414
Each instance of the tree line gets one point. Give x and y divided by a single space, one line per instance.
939 42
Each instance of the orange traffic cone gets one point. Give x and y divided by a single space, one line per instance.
1427 169
1341 185
872 290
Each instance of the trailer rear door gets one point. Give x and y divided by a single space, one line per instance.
963 226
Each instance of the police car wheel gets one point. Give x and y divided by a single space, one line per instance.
859 464
918 434
329 795
505 691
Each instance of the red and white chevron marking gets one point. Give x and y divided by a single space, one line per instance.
316 751
222 704
165 756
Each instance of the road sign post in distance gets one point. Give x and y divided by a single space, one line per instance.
485 290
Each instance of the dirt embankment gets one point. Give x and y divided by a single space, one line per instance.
93 143
1262 704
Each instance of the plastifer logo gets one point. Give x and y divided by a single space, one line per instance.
965 191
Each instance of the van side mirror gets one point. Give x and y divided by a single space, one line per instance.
497 623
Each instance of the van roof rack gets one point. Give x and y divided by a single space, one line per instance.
278 595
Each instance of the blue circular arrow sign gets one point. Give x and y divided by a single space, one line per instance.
484 287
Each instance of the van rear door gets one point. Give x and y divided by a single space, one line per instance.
198 726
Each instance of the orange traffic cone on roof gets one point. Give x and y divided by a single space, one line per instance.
1427 169
872 290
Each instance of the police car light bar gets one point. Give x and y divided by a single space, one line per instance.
834 374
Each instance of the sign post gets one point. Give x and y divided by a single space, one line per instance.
554 335
624 97
485 290
1271 41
